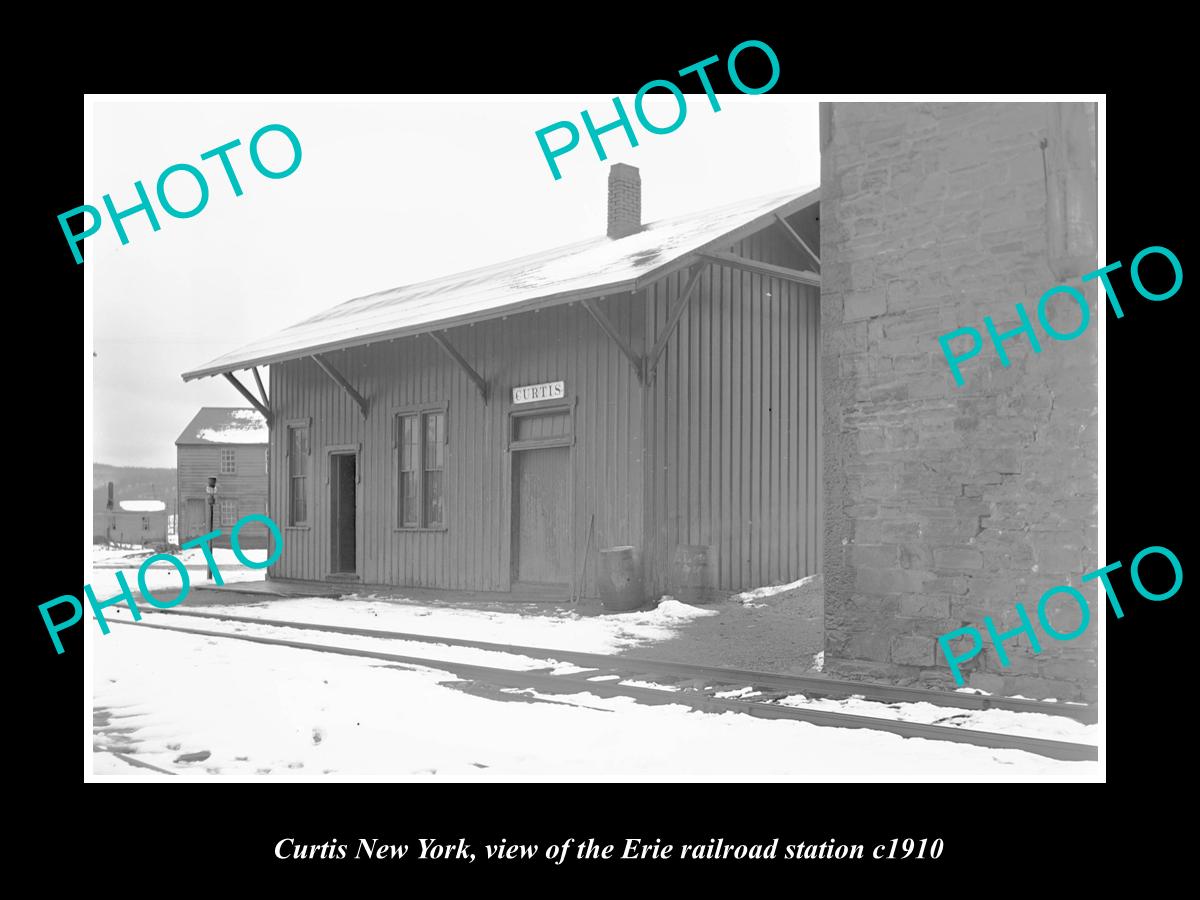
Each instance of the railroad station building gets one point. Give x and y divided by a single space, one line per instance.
759 386
655 387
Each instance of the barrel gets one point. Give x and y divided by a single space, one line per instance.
620 580
693 577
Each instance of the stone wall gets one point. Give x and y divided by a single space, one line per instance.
945 504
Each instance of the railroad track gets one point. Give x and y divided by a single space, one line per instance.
809 685
702 683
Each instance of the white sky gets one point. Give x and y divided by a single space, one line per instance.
389 192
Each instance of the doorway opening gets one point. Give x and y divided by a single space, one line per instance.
343 483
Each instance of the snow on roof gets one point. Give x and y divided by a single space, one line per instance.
225 425
143 505
589 268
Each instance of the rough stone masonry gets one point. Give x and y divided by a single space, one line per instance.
947 504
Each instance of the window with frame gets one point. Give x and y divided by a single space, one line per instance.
229 513
228 461
298 465
420 488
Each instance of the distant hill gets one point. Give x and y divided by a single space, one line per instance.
136 483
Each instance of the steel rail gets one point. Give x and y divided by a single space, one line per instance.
803 684
524 680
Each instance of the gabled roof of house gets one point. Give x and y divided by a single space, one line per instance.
142 505
590 268
225 425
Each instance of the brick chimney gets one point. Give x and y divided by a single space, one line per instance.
624 201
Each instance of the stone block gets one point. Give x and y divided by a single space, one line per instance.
883 531
1063 612
1038 688
993 684
1006 462
1058 558
864 305
1079 671
868 645
877 555
912 650
874 581
925 606
957 558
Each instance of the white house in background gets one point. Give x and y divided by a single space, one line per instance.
139 522
229 443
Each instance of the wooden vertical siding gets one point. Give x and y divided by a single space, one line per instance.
732 421
721 449
474 550
195 462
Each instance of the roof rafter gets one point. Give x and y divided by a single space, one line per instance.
762 268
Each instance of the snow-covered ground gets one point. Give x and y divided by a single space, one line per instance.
565 630
107 561
274 712
514 625
771 590
1000 721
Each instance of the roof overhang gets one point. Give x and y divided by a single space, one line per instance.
667 267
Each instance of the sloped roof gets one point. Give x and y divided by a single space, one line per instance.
589 268
225 425
142 505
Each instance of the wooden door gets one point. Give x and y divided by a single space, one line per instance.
541 516
195 522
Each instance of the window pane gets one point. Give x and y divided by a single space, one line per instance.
228 512
408 500
532 428
298 453
406 497
298 502
433 500
297 472
435 433
408 443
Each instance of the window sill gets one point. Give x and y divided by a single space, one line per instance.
297 528
420 530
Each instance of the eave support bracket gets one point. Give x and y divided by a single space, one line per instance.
262 391
673 317
607 326
341 382
244 391
479 381
798 241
